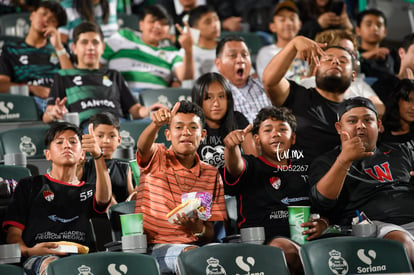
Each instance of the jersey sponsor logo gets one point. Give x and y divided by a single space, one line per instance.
24 59
48 195
288 201
97 103
382 172
77 80
62 220
275 182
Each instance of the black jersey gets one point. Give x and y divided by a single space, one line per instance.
90 92
26 64
48 210
316 117
118 172
379 185
264 191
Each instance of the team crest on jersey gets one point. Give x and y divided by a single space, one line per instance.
54 59
48 195
275 182
106 81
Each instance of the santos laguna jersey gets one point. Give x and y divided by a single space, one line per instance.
26 64
264 191
48 210
90 92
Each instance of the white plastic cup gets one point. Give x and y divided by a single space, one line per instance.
16 159
19 90
254 235
72 117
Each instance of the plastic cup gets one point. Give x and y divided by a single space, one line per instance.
19 90
254 235
16 159
131 224
134 243
364 230
297 216
72 117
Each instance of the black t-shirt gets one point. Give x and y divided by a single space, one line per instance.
385 85
316 117
379 68
48 210
406 139
211 149
264 191
379 185
118 172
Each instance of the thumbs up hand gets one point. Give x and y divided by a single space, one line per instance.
236 137
89 143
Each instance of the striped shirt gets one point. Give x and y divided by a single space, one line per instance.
159 192
142 66
249 99
74 19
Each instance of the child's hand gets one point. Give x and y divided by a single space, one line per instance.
185 39
316 228
164 116
236 137
89 143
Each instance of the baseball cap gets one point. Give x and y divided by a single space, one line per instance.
289 5
355 102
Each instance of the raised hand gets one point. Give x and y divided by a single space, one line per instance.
236 137
185 39
164 116
352 148
89 143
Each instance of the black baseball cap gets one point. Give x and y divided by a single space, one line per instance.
355 102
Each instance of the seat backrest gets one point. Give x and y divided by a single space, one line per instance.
15 24
114 212
27 140
13 172
166 96
4 38
354 255
233 258
105 263
131 130
128 21
11 269
17 108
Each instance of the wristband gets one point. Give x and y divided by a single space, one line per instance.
61 52
101 155
200 234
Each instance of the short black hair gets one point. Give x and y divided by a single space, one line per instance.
106 118
156 10
198 12
188 107
278 113
86 27
375 12
224 40
407 41
57 128
56 9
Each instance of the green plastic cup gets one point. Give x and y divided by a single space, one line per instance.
297 216
131 224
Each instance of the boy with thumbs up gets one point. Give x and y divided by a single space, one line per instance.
47 209
264 186
168 176
359 175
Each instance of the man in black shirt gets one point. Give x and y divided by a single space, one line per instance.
358 175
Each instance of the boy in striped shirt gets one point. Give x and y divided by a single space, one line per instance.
167 174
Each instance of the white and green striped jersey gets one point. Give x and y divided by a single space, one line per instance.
75 19
142 66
